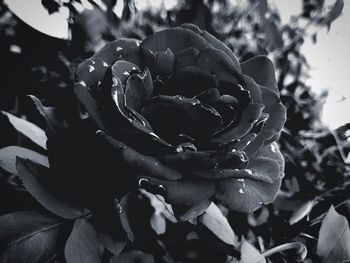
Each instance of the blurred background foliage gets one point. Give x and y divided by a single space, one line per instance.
317 171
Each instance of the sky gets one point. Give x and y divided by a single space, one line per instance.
329 57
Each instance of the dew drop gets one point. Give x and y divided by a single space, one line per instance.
142 181
118 206
162 189
248 171
115 82
91 68
273 148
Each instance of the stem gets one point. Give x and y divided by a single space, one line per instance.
300 248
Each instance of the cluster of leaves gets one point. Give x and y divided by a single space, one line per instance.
39 225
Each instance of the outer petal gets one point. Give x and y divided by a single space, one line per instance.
188 191
175 39
184 213
274 124
247 195
261 69
215 42
248 118
124 48
171 116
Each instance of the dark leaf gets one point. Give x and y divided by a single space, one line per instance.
28 129
40 185
53 121
249 254
82 245
9 154
133 256
332 14
30 236
334 238
217 223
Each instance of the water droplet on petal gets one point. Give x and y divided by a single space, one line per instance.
248 171
118 206
115 82
162 189
142 182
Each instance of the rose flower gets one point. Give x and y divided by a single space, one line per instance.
179 115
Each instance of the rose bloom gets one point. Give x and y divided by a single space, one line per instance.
178 115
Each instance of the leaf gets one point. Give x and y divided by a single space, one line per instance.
82 245
125 220
8 157
249 254
301 212
30 236
112 244
263 7
273 35
332 14
54 25
38 183
28 129
133 256
334 238
217 223
53 121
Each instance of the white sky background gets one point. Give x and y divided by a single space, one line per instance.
329 57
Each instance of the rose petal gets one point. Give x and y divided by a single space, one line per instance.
129 116
139 88
187 191
220 64
186 57
92 107
175 39
232 132
189 81
248 195
170 116
140 163
215 42
209 96
274 124
185 213
124 48
123 69
254 90
261 69
199 160
159 62
91 72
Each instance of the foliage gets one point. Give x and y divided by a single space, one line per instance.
39 222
